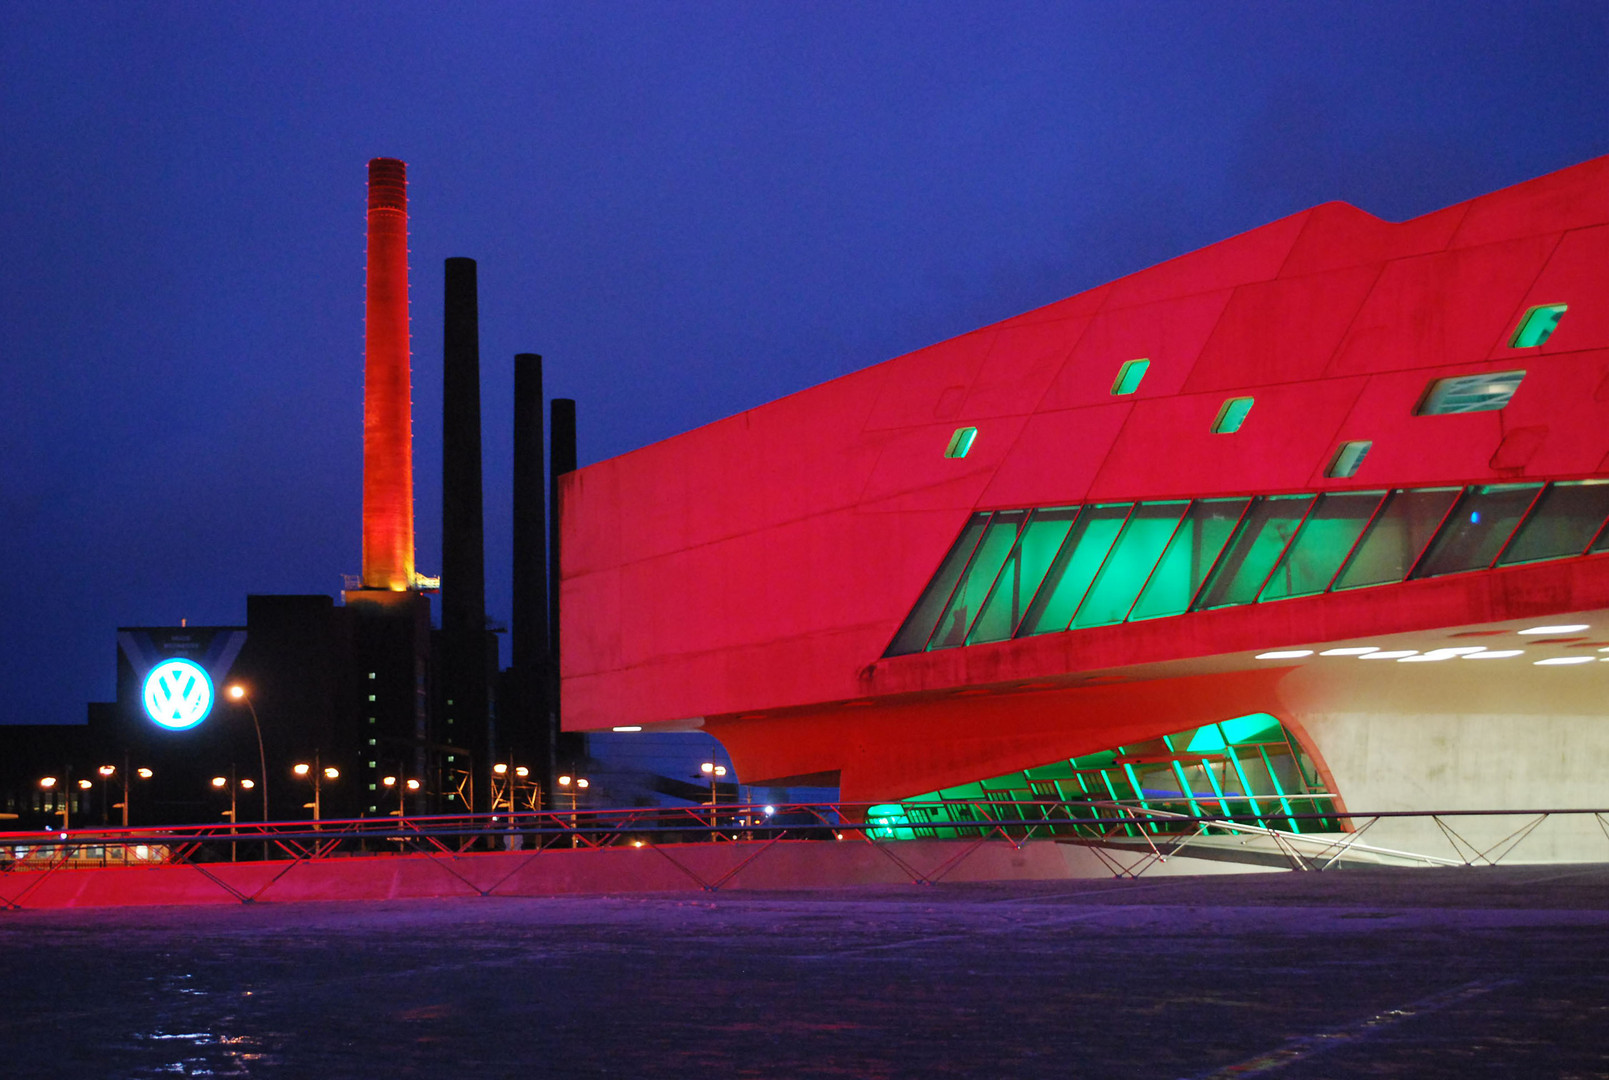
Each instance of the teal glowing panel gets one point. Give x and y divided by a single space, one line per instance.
1189 557
1325 540
1231 415
1257 546
998 540
1023 573
960 444
1129 376
1130 563
1537 326
1075 568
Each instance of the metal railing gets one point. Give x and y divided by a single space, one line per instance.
1128 839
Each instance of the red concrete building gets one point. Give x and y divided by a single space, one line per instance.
1340 473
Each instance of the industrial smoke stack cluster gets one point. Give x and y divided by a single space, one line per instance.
492 717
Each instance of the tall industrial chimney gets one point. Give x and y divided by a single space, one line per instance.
387 408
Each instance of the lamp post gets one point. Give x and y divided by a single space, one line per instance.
574 785
403 787
49 783
238 693
714 772
245 784
129 776
319 775
106 772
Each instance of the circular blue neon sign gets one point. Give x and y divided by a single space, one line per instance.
178 694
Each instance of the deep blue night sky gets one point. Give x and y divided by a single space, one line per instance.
689 209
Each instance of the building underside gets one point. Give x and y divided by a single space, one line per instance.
1347 475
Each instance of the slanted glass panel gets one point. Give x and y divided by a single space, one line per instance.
1348 459
1257 545
1477 528
912 637
1603 542
1025 568
1231 414
1322 545
1189 558
1397 536
1564 522
1537 326
961 442
1075 567
1129 376
996 544
1469 393
1133 557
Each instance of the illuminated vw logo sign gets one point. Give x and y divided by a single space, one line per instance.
178 694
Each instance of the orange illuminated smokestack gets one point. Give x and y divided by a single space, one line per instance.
387 405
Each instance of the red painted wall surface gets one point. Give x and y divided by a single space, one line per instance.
757 568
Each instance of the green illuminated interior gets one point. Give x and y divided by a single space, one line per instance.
961 442
1016 573
1129 376
1231 415
1537 325
1250 767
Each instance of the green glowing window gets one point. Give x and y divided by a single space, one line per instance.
918 627
1189 557
1075 568
1325 540
1257 546
1347 459
961 442
1024 570
1477 528
1537 326
997 542
1129 376
1130 563
1231 414
1564 522
1469 393
1399 533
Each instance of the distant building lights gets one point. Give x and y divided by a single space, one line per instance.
1359 650
1573 628
1560 660
1284 654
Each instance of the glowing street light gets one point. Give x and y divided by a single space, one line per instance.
714 771
319 775
403 787
574 785
237 692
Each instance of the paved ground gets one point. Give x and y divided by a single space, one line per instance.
1356 973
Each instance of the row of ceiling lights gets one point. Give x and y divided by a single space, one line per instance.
1471 652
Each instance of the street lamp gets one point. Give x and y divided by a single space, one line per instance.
403 787
106 772
319 775
574 785
714 772
245 784
50 783
237 692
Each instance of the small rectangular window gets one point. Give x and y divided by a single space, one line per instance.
1129 376
1469 393
1231 415
961 442
1347 459
1537 325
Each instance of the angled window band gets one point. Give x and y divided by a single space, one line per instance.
1046 570
1537 325
1129 376
1231 414
961 442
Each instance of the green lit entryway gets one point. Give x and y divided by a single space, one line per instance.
1250 768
